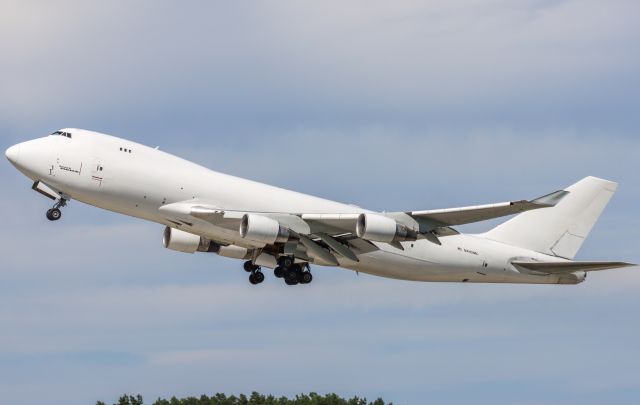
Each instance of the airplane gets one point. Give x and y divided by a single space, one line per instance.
206 211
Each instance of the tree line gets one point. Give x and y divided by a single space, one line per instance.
253 399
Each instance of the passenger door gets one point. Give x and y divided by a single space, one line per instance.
97 172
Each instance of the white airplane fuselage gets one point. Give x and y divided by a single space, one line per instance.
132 179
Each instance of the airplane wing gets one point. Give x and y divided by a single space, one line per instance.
323 238
477 213
326 237
568 267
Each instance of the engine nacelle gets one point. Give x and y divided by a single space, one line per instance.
186 242
259 228
182 241
380 228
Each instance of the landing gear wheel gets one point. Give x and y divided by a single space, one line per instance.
278 272
290 282
256 277
306 278
249 266
54 214
285 261
292 275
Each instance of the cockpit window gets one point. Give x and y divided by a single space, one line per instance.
67 134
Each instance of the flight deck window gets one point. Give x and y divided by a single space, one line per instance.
65 134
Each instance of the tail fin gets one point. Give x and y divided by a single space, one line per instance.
559 230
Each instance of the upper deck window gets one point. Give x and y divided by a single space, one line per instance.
66 134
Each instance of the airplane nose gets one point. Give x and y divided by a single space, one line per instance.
13 153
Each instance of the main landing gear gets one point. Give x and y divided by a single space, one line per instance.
292 273
54 213
256 276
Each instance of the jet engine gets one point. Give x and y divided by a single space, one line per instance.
182 241
259 228
380 228
186 242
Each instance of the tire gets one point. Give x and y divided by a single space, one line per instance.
258 277
54 214
291 277
278 272
248 266
252 279
286 261
306 278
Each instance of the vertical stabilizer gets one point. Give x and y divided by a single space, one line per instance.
559 230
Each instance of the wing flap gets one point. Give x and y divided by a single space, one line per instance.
318 252
338 247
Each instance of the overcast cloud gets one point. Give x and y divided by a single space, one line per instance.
389 106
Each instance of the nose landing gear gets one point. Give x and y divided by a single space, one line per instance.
54 213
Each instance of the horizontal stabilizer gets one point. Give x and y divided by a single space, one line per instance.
568 267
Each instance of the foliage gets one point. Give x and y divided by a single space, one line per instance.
254 399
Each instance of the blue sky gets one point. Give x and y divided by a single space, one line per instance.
389 106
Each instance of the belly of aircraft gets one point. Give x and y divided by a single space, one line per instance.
397 266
